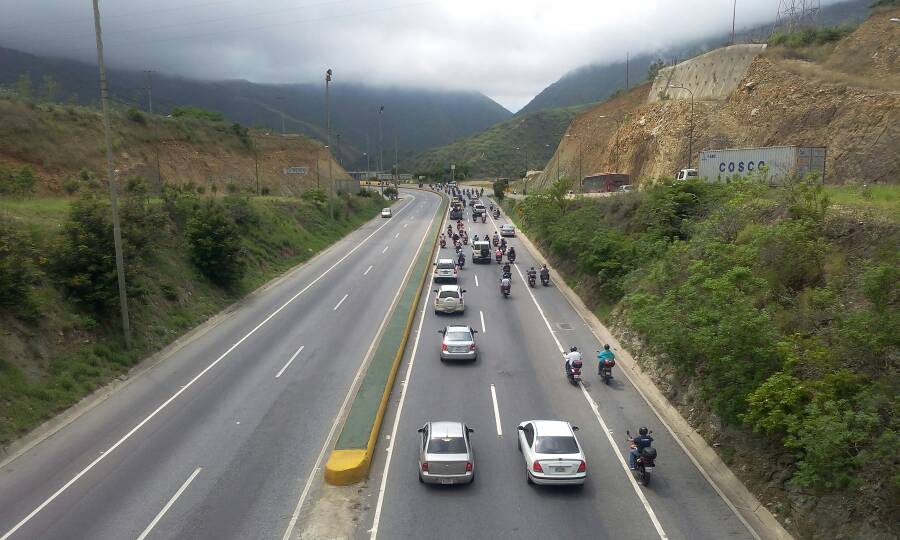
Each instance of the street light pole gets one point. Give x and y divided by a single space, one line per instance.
149 73
380 141
117 229
328 74
691 136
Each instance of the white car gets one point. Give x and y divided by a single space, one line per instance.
507 230
385 212
552 453
449 299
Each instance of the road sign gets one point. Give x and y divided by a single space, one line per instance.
296 170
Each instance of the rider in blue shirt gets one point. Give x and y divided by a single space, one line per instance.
643 440
603 356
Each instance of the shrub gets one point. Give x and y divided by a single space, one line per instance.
19 182
315 195
265 190
499 186
136 116
231 188
17 269
70 185
198 114
215 245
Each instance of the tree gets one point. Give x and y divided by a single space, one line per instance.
654 68
215 245
499 186
24 86
49 88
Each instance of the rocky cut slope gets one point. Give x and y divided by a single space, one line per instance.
782 99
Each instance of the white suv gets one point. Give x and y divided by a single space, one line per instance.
449 299
445 269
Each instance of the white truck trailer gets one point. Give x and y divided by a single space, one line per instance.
779 162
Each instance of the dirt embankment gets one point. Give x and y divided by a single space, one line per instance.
779 101
58 141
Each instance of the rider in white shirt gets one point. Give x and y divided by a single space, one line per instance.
571 357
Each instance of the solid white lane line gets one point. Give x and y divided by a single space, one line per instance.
289 361
483 327
396 235
476 280
352 392
373 532
169 504
496 412
603 425
385 248
367 270
190 383
335 308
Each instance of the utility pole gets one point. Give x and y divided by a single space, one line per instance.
256 163
380 140
396 161
338 149
626 72
733 18
117 229
149 73
328 128
368 152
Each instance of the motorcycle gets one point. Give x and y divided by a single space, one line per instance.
531 280
645 463
483 217
465 240
461 260
505 290
512 256
496 240
499 257
545 278
573 372
496 213
443 243
606 369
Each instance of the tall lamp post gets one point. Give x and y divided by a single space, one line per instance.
691 136
117 229
328 74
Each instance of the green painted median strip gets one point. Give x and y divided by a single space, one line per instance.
349 462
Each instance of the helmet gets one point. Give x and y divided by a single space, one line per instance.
574 349
643 430
606 347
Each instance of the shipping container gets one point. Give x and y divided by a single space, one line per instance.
778 162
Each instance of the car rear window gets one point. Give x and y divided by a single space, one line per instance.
459 336
447 445
448 294
556 445
446 266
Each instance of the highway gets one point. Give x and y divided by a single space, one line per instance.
520 362
221 439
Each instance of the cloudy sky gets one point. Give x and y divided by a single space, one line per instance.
507 49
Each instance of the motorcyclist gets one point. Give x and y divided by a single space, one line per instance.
603 356
643 440
511 253
461 259
532 273
505 284
492 207
506 269
449 230
455 237
545 272
571 357
475 238
503 244
496 238
498 255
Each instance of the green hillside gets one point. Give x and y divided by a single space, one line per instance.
493 152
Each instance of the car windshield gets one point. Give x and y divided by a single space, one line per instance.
447 445
448 294
556 445
445 265
459 336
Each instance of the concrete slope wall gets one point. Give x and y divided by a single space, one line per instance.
711 76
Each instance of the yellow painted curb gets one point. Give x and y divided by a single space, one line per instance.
346 467
349 466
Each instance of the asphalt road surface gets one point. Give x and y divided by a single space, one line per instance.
220 440
520 359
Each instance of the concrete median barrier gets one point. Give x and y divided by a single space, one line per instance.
352 454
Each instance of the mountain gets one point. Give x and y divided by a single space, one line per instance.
493 151
420 118
597 82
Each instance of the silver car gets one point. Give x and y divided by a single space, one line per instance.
450 299
507 230
445 453
552 453
445 270
458 343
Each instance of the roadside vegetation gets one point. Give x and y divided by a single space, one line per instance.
187 257
772 315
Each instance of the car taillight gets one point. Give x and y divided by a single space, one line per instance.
537 467
472 347
582 467
424 466
468 466
443 346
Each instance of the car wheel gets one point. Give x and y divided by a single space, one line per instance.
519 444
420 478
528 478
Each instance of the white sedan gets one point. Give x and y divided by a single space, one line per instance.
507 230
385 212
552 453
